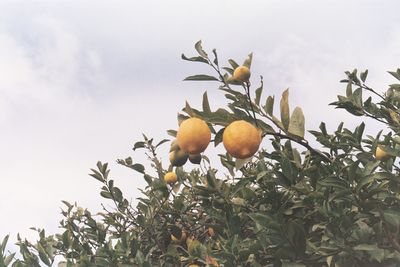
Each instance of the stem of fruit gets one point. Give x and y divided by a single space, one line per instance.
247 89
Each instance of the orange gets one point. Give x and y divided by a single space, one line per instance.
380 154
241 139
193 136
241 74
170 177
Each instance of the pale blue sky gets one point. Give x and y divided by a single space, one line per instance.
81 80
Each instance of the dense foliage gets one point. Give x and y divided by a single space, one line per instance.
293 204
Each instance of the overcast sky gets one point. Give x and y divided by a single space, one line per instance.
80 81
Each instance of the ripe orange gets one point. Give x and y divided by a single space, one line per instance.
193 136
380 154
241 139
241 74
170 177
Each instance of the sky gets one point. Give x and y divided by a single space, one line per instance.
80 81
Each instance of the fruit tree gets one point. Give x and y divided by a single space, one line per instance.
277 200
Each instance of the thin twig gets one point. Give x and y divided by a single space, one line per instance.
301 142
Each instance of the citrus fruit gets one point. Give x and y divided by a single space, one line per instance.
178 158
241 139
195 158
193 136
176 240
210 231
170 177
193 265
241 74
380 154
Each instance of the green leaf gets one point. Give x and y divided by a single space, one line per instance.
239 163
162 142
139 144
288 170
106 194
357 97
364 75
395 74
8 259
4 244
200 50
218 137
258 93
215 56
285 117
297 237
269 105
392 217
211 180
195 59
349 90
247 61
335 182
201 77
296 124
229 70
206 104
43 256
138 167
233 63
96 175
262 220
172 133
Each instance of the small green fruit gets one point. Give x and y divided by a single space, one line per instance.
178 158
195 158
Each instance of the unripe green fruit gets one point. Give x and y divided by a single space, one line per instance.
195 158
178 158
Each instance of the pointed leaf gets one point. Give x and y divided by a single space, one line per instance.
285 109
395 74
138 167
4 243
206 104
233 63
215 56
218 137
248 60
239 163
296 124
200 50
364 75
195 59
259 92
200 77
172 133
269 105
